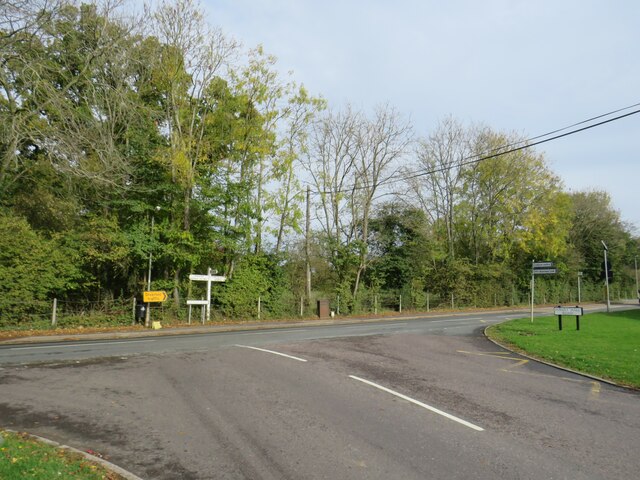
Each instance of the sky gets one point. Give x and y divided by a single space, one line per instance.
521 66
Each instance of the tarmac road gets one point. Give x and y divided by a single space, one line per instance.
409 399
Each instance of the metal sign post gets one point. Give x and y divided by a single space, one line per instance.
560 311
606 274
539 268
533 289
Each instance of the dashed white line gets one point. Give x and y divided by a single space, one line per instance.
420 404
273 352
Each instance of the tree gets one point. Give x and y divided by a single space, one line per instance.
437 183
191 58
493 209
594 221
508 202
400 246
331 164
68 97
381 143
21 24
301 110
351 160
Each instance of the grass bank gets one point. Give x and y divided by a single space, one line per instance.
607 344
22 456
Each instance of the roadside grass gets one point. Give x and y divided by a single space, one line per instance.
607 344
22 456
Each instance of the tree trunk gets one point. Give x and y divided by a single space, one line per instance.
176 290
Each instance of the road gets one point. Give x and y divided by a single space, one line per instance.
411 399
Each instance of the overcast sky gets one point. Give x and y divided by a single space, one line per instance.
528 66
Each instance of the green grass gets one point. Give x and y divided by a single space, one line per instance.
607 344
23 457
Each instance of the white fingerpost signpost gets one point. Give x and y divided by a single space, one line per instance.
209 278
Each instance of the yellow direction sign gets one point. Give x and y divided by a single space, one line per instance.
154 297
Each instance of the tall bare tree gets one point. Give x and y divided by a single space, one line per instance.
300 112
352 159
438 179
382 143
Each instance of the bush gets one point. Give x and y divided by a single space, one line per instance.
256 276
32 270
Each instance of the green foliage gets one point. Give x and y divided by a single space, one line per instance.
594 221
255 276
400 246
33 269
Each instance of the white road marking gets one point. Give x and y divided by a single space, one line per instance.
372 326
80 345
271 351
452 320
271 333
420 404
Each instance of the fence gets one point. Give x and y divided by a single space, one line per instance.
120 312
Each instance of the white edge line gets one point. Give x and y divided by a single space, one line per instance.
88 344
271 351
420 404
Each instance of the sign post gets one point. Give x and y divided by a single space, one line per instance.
149 297
606 274
579 278
539 268
209 278
560 311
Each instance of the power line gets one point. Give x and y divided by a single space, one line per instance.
472 160
567 127
513 147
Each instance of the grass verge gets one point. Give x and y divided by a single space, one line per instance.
607 344
22 456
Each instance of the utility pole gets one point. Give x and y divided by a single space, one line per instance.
147 318
635 261
306 246
533 289
606 274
